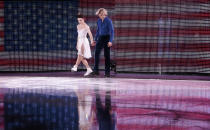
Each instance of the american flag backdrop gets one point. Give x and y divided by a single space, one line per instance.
38 36
164 36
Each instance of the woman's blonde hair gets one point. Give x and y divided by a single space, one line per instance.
101 10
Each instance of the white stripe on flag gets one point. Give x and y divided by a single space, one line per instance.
1 12
172 24
168 55
1 41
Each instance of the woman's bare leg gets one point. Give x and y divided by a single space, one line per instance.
79 59
84 61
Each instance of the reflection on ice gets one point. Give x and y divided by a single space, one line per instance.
107 104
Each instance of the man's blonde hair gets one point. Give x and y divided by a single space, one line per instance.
101 10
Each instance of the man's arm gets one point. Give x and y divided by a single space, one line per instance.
111 30
97 32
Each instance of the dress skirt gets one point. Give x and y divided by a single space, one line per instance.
85 43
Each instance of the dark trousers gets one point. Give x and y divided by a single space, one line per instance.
102 43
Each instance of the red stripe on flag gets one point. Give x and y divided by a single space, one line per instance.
165 47
199 31
1 4
126 32
159 1
1 97
2 125
165 62
157 16
97 3
1 34
1 48
34 62
1 19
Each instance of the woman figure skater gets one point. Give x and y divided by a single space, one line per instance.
83 45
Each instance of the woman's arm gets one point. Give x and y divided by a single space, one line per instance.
77 39
90 34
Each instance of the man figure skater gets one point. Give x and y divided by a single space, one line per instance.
103 39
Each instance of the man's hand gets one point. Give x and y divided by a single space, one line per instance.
109 44
93 43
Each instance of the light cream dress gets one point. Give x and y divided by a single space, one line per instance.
82 40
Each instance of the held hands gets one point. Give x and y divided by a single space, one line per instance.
109 44
93 43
